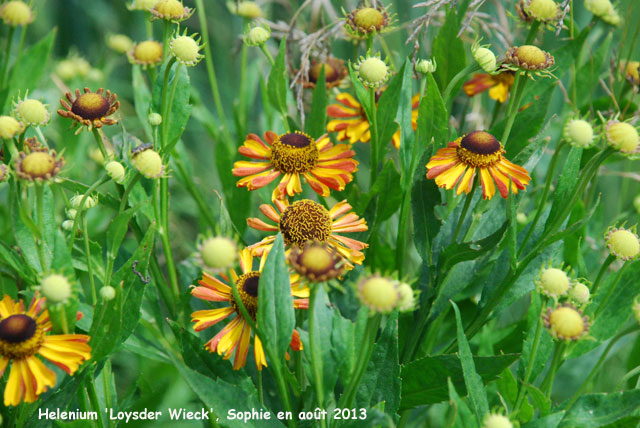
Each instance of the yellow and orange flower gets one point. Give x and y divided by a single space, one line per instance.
352 123
457 164
22 336
498 85
292 155
236 335
306 220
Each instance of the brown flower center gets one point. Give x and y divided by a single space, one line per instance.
294 152
480 142
90 106
20 336
38 164
304 221
330 73
248 290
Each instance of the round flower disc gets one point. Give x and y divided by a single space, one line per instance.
304 221
38 164
566 322
294 152
90 106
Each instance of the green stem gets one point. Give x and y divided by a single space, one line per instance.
163 98
93 399
87 250
260 391
316 358
98 137
612 288
601 272
448 92
374 137
23 33
532 32
163 221
195 192
543 198
242 93
265 50
547 384
7 57
166 29
514 104
211 72
368 342
167 146
596 368
124 199
40 224
83 201
463 214
532 358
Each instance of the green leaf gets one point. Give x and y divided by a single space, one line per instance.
433 119
540 400
423 380
362 93
141 99
181 109
551 421
590 71
29 71
381 380
567 183
222 397
397 94
425 196
315 125
386 188
508 386
461 410
324 316
473 381
121 314
118 229
545 344
275 317
448 50
597 410
278 82
236 199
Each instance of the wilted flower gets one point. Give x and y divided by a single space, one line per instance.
38 163
334 72
317 261
366 21
91 109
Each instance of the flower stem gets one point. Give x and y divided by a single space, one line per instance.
87 251
7 58
532 357
547 384
167 145
533 31
596 368
543 198
40 224
166 29
93 398
601 272
465 210
98 137
316 358
374 136
612 288
514 104
163 98
368 342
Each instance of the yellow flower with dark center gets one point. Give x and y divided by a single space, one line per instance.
352 123
16 13
566 322
23 335
294 155
146 54
91 109
38 163
529 58
306 220
366 20
498 85
237 333
317 261
456 165
170 10
334 73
